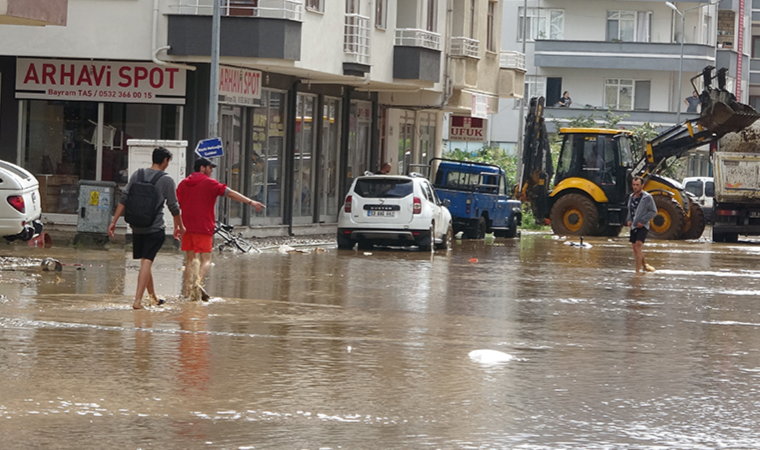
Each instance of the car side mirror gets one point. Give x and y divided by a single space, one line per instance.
446 202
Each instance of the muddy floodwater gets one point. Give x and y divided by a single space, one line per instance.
527 343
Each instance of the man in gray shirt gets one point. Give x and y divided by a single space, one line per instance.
641 210
148 241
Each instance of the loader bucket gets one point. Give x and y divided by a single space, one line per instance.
722 114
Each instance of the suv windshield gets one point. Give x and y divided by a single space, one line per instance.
383 188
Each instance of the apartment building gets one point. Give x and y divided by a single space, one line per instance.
622 56
312 93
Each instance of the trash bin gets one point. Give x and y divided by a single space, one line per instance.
96 206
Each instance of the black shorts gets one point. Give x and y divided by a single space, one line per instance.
146 246
638 234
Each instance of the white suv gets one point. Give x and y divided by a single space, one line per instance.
394 210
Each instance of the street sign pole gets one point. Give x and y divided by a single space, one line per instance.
213 94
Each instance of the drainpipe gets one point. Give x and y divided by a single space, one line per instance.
154 53
447 85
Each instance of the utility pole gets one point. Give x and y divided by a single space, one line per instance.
520 120
213 91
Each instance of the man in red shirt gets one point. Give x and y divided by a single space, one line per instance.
197 196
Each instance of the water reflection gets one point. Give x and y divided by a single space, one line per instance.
346 350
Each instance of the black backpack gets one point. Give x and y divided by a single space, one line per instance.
142 204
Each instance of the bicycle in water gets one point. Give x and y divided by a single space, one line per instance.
232 241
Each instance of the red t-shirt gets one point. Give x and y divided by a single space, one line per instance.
197 199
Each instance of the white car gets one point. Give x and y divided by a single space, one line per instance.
394 210
20 205
703 189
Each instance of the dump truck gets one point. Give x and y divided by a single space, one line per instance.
736 172
595 167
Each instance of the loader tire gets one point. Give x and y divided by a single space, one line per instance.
670 220
695 223
574 215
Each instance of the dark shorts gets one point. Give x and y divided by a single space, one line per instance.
638 234
146 246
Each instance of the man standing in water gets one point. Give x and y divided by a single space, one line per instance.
641 209
197 197
147 241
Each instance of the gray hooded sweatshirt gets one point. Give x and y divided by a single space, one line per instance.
644 212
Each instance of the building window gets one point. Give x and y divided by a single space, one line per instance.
618 94
535 86
381 14
629 26
491 27
542 24
471 34
315 5
432 15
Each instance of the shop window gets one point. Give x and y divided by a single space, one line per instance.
61 144
329 195
303 180
268 142
359 138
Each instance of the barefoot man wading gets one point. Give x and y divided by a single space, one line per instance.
197 196
148 231
641 209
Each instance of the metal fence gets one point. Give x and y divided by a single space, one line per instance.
414 37
273 9
512 60
462 46
356 39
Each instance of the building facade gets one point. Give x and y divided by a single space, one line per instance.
312 93
624 57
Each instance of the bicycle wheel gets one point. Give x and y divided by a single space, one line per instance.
243 245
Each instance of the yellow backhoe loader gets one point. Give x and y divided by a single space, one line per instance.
595 167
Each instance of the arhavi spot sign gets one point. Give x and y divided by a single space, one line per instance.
210 148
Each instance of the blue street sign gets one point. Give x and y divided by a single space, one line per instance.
210 148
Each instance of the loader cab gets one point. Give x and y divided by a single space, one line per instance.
602 156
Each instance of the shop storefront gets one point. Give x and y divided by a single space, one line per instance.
75 118
295 171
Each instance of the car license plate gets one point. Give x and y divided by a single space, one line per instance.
754 214
381 213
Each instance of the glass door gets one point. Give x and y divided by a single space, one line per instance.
229 171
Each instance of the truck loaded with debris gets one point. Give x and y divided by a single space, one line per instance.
736 167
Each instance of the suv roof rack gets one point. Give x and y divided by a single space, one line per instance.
416 175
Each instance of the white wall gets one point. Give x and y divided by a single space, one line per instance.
119 30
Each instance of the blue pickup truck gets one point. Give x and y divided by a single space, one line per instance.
479 196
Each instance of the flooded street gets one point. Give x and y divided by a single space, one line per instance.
374 350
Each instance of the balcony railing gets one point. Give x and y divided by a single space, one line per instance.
356 39
462 46
414 37
272 9
512 60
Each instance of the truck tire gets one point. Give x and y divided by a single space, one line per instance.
574 215
477 229
695 223
669 222
512 231
448 238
